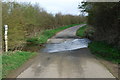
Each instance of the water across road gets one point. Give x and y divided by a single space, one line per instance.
72 44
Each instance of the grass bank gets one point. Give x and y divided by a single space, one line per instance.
105 51
101 49
13 60
45 35
81 31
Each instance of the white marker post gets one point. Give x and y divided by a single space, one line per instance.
6 38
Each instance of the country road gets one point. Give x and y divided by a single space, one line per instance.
57 61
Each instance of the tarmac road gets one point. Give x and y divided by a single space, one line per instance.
79 63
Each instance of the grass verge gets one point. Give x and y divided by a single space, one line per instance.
81 31
105 51
101 49
44 36
13 60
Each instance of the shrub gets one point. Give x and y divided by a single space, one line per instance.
89 32
33 40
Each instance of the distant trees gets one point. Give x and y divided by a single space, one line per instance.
105 18
68 19
27 20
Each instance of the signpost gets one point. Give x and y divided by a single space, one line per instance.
6 38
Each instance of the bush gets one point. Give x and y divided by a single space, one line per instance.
89 32
33 40
105 18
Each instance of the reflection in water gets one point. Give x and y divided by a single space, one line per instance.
67 45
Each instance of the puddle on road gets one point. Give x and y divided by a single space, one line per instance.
67 45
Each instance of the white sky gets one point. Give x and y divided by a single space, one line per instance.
55 6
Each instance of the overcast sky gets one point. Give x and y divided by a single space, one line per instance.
55 6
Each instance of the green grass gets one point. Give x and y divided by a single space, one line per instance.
101 49
105 51
13 60
0 66
44 36
81 31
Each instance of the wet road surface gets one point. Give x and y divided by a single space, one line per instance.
77 63
67 45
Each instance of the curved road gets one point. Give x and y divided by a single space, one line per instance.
68 64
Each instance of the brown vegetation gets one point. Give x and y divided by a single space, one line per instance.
27 20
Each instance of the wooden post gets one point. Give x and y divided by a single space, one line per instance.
6 38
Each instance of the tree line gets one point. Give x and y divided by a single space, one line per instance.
105 18
27 20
